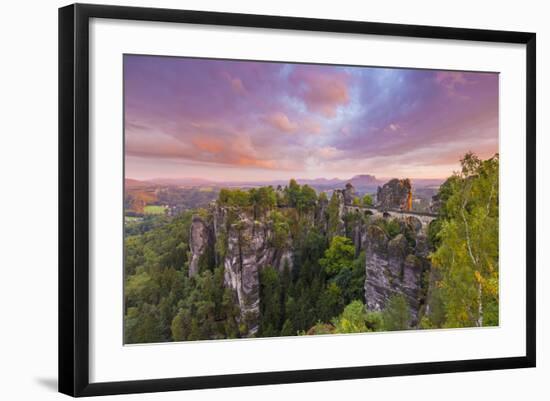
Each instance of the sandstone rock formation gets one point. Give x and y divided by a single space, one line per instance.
247 248
395 260
395 266
349 194
393 194
198 243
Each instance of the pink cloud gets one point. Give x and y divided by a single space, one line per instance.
322 91
253 162
281 122
234 149
210 145
257 118
328 152
311 126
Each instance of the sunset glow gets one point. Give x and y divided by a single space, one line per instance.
247 121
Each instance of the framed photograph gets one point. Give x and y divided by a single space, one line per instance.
250 199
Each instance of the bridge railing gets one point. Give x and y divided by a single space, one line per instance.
403 212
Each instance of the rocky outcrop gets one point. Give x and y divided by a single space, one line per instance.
321 214
395 245
198 243
249 250
349 194
395 265
336 214
248 247
378 288
394 194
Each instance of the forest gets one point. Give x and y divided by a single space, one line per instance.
287 261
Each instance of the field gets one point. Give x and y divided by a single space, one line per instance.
154 209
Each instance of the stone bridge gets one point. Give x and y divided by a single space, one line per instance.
424 218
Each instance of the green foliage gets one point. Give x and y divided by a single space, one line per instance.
435 317
163 246
434 228
141 288
140 225
339 256
271 309
307 199
374 321
288 328
352 280
142 325
334 215
303 198
262 200
320 290
467 255
351 221
162 303
396 314
352 319
281 230
234 197
221 243
293 191
154 209
207 311
181 325
330 302
367 201
390 226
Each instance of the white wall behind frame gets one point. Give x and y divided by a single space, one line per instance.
28 339
112 362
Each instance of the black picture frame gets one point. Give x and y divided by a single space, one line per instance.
74 201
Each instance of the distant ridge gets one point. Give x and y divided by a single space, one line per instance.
364 179
183 181
365 182
132 183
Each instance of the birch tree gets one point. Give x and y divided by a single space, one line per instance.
468 252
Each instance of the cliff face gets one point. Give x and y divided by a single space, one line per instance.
249 249
395 247
393 194
199 240
395 266
349 194
244 247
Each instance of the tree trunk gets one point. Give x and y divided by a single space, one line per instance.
480 306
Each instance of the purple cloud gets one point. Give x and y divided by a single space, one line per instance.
222 119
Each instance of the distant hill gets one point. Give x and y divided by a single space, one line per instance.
365 180
188 181
135 184
362 182
427 182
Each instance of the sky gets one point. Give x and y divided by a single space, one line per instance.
225 120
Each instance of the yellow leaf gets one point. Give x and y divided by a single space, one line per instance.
477 274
